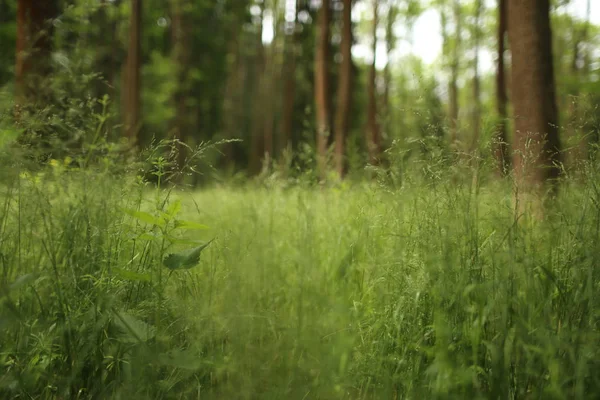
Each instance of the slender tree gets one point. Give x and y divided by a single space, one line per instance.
271 79
537 143
323 115
373 133
258 119
33 47
344 89
500 142
132 95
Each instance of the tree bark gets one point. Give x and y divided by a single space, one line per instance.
373 135
132 82
323 114
344 89
33 47
500 145
537 143
272 77
258 120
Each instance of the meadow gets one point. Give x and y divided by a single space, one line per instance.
431 289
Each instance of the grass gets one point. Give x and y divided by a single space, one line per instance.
435 291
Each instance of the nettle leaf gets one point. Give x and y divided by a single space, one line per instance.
174 208
185 259
149 236
191 225
131 329
145 217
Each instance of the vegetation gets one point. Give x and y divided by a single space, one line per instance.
205 199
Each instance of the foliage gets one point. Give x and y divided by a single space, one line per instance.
433 289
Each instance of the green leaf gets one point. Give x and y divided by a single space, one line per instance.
186 259
131 275
174 208
189 225
148 236
145 217
131 329
176 240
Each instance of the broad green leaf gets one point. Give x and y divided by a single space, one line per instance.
131 275
174 208
145 217
132 329
185 259
148 236
189 225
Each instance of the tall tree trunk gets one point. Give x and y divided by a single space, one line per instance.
500 145
476 80
272 72
232 104
537 143
33 48
454 70
344 89
289 93
323 114
373 136
132 107
258 120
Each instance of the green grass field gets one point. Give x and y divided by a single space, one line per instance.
428 291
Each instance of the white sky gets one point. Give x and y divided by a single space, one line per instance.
426 35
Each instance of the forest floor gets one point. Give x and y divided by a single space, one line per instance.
355 291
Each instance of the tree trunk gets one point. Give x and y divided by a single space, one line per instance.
373 138
476 80
500 143
258 120
323 114
537 143
33 48
132 107
344 89
233 107
272 77
289 94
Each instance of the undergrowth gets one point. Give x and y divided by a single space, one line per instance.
434 289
